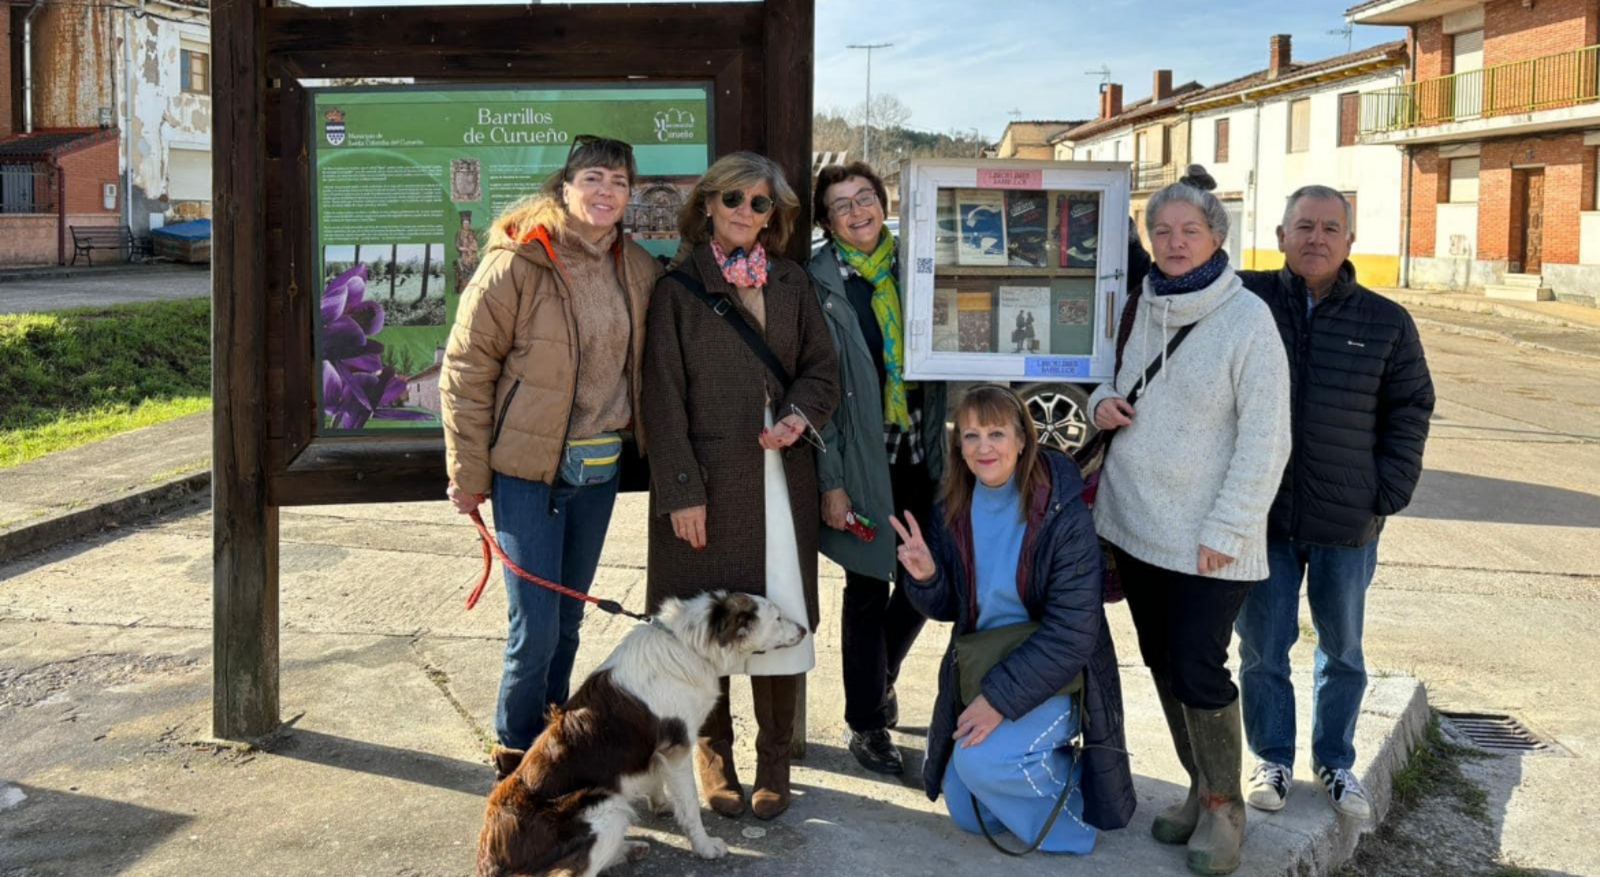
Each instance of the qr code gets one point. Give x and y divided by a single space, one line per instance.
924 266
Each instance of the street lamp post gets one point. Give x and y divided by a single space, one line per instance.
866 126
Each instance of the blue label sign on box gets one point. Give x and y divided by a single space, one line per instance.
1056 367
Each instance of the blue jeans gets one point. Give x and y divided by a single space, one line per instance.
1336 586
555 532
1017 774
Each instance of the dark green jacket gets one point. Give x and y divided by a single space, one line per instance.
856 459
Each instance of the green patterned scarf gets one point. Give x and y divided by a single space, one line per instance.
877 268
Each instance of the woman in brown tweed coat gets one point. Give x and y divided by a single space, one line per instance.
733 500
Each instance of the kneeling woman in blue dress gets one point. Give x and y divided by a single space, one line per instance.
1011 544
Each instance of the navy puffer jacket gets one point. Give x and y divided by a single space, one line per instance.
1361 397
1062 591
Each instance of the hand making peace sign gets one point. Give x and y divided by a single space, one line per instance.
913 551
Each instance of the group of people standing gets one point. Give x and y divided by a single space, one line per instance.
1258 440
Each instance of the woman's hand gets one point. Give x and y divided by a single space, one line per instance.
690 525
977 722
835 505
913 552
1212 561
1113 413
784 433
465 503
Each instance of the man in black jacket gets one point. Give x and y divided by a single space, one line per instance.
1361 399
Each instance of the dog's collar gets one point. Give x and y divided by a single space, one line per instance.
658 624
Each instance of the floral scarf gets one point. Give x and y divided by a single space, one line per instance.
746 270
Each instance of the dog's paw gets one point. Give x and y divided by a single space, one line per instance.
634 850
710 847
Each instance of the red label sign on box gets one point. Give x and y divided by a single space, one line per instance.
1000 178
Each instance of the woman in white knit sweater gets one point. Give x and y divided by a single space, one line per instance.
1185 490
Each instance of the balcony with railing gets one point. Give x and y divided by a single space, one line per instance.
1149 176
1550 82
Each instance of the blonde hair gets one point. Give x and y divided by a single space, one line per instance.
738 171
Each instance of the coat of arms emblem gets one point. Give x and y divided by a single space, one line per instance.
333 126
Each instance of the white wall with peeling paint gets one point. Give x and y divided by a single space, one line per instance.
166 131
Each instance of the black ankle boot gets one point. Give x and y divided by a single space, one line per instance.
876 752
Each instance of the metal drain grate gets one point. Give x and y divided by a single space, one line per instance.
1496 732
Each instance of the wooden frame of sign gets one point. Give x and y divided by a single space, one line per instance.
266 449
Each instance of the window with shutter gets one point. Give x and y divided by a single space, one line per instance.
1222 141
1349 118
1300 125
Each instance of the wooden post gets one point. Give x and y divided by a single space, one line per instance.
244 584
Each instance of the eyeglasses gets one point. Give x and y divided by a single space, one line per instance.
842 206
596 140
732 198
810 433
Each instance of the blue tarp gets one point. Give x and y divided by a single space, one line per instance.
197 230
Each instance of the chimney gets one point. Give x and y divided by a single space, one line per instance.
1161 89
1280 56
1111 101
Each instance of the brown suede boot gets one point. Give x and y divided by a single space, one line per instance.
774 698
1218 753
713 761
1175 825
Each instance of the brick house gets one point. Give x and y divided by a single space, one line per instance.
1152 133
1031 139
1500 124
51 181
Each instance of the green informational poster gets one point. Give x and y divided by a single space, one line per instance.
409 179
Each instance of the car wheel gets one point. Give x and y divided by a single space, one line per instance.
1060 414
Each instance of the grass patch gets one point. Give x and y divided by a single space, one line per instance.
1435 769
77 376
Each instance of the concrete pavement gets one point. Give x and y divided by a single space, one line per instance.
102 286
1485 591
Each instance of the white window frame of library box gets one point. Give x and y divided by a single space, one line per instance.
922 178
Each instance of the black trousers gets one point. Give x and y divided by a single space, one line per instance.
878 624
1185 624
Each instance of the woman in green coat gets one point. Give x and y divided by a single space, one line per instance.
886 448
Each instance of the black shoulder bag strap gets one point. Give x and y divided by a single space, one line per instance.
1061 802
723 307
1154 368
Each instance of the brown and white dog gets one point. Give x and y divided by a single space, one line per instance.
627 733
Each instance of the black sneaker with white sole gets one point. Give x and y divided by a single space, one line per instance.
1345 792
1269 786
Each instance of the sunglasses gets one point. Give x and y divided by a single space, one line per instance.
582 140
733 198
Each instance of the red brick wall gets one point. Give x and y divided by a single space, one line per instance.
1569 170
1428 188
1431 49
1514 32
30 239
87 170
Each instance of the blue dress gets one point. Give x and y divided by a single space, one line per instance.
1018 772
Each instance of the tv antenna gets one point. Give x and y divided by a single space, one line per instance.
1104 73
1348 32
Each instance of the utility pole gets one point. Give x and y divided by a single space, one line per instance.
866 126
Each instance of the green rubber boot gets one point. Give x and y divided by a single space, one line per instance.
1219 835
1175 825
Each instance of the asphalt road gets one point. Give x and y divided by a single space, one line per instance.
135 284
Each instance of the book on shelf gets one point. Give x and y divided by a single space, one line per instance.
1079 220
1024 319
945 228
975 322
982 214
1072 316
1026 225
946 334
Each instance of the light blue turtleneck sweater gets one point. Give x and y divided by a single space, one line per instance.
997 530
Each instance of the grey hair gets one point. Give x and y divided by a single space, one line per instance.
1321 193
1194 190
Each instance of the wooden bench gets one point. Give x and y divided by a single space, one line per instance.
88 238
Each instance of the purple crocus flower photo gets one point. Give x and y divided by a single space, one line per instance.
356 385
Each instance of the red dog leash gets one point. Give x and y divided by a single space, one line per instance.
492 549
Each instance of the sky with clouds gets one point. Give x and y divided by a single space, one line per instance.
959 64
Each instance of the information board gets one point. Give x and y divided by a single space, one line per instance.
407 182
